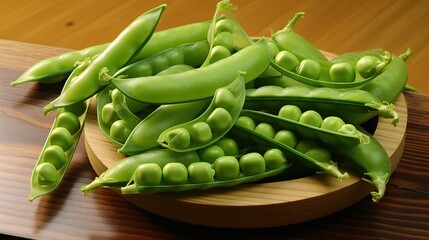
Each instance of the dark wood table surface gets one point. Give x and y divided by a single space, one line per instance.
402 214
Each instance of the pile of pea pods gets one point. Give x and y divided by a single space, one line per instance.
204 105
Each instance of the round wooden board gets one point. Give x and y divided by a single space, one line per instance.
254 205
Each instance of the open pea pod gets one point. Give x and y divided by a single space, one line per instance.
319 73
211 125
121 108
308 131
60 144
290 153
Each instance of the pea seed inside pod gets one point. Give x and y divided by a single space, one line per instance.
226 168
223 25
287 60
148 174
229 146
286 137
69 121
219 120
265 129
311 117
348 129
120 130
225 99
211 153
200 132
342 72
306 144
366 66
46 173
332 123
55 155
252 164
178 138
245 122
77 108
274 158
219 52
61 137
224 39
319 154
174 173
200 172
290 112
108 114
309 68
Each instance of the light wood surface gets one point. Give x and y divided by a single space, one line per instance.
66 214
333 25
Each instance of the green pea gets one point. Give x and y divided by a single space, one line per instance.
46 173
332 123
54 154
120 130
287 60
200 132
224 98
274 49
61 137
77 108
224 39
309 68
211 153
226 168
286 137
223 25
178 138
348 129
69 121
219 52
291 112
160 63
342 72
148 174
265 129
366 66
219 120
252 163
246 122
108 114
200 172
229 146
306 144
175 173
274 158
319 154
311 117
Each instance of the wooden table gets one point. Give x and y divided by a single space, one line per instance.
66 214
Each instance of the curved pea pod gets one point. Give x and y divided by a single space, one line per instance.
287 39
211 125
290 153
126 45
120 173
352 105
321 74
307 131
370 160
201 82
192 54
60 144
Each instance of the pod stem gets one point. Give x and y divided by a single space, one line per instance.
332 169
386 110
404 56
291 24
96 184
379 182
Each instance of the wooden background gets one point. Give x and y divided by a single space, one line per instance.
332 25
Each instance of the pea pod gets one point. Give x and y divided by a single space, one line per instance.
57 68
116 55
211 125
352 105
306 130
121 108
60 145
120 173
201 82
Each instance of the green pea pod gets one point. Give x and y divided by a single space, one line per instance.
287 39
201 83
121 108
307 131
352 105
290 153
120 173
370 160
192 54
210 126
115 56
325 78
57 68
60 145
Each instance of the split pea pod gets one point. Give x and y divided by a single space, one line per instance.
120 173
60 144
199 83
57 68
352 105
126 45
212 124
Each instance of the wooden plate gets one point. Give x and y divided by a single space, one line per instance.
255 205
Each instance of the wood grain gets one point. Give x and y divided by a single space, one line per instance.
66 214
